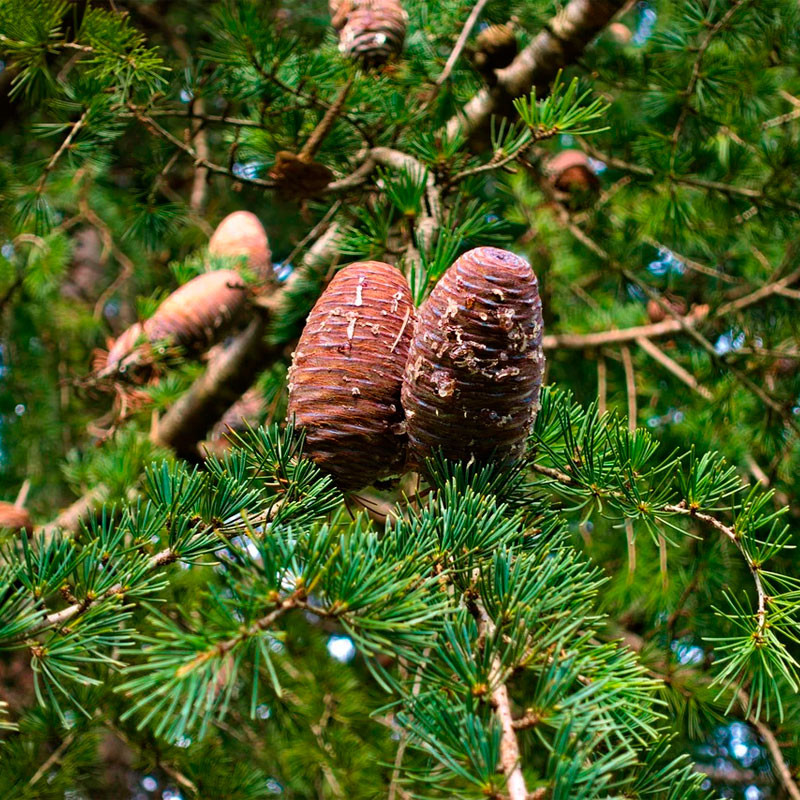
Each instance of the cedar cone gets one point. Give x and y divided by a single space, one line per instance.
496 49
571 173
471 386
298 177
344 383
370 31
15 518
194 316
620 33
125 344
657 314
339 10
242 234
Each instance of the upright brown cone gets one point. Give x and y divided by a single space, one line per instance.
344 384
370 31
471 386
571 173
242 234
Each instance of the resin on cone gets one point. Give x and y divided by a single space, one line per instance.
344 383
242 234
370 31
471 386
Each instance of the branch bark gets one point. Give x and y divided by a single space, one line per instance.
779 765
224 381
509 746
673 366
461 42
563 39
579 341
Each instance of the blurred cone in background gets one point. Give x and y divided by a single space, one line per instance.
242 234
370 31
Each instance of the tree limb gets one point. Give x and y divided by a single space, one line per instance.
673 366
579 341
225 380
509 746
561 41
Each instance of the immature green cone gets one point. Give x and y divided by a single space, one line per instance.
370 31
471 386
344 383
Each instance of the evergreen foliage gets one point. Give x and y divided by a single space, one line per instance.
615 616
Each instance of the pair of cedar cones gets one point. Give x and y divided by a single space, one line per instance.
379 386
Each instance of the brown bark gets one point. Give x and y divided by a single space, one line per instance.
560 43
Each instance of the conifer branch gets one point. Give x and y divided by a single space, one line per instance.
682 509
695 76
580 341
673 366
53 758
729 189
732 536
684 325
782 769
461 42
509 746
215 391
559 44
779 764
197 159
58 618
317 137
65 145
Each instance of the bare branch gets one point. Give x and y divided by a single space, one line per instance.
579 341
779 765
509 746
676 369
461 42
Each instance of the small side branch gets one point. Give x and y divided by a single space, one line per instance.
58 618
509 746
672 366
461 41
580 341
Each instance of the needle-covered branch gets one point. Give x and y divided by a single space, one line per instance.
599 467
557 46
